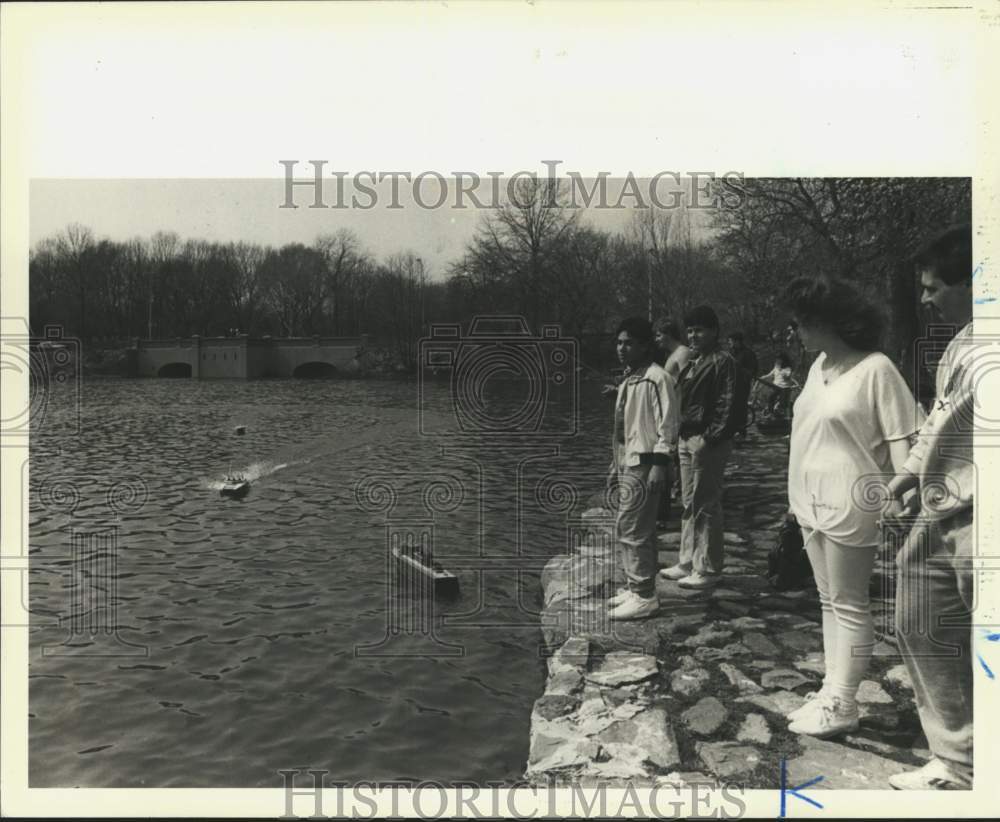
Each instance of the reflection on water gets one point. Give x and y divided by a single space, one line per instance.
185 640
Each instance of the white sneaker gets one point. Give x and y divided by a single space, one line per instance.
696 580
619 598
811 703
832 716
636 607
675 572
936 775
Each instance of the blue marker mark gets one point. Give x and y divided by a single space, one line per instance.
986 667
795 790
981 300
989 637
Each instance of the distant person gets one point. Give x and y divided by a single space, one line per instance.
668 340
713 410
645 436
671 345
851 425
743 354
781 381
936 592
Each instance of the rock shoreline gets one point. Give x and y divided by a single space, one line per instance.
699 692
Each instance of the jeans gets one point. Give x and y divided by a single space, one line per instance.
702 472
636 527
934 605
843 573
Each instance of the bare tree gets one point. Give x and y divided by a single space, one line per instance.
75 245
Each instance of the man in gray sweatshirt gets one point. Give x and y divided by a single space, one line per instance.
936 589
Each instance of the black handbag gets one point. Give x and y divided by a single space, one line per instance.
788 566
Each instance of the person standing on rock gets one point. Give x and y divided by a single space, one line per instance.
850 428
713 409
645 436
676 354
668 340
935 595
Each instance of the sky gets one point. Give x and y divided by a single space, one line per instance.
238 209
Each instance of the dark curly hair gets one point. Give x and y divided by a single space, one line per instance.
638 328
948 255
840 305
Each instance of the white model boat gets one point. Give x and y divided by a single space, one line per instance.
234 485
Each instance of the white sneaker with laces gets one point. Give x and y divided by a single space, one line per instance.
832 716
619 598
696 580
636 607
936 775
811 703
675 572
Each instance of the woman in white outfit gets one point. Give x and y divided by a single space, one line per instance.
851 430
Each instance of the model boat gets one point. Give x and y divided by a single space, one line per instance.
234 485
445 583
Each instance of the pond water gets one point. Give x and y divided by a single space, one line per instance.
182 639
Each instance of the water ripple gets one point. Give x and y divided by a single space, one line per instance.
239 625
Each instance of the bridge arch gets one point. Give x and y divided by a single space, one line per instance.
315 369
175 369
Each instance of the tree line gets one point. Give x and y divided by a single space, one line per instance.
531 256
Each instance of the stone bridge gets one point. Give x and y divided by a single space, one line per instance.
245 357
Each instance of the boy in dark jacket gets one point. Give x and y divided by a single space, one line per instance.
713 394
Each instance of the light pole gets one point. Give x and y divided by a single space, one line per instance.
420 262
649 282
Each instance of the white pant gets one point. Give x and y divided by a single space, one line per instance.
843 573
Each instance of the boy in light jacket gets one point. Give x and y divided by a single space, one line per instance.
645 437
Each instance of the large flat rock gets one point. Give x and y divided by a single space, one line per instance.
842 767
783 678
728 759
800 640
555 754
650 732
689 682
709 635
736 677
746 623
623 668
705 716
871 693
733 649
778 702
575 577
754 729
760 645
899 675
